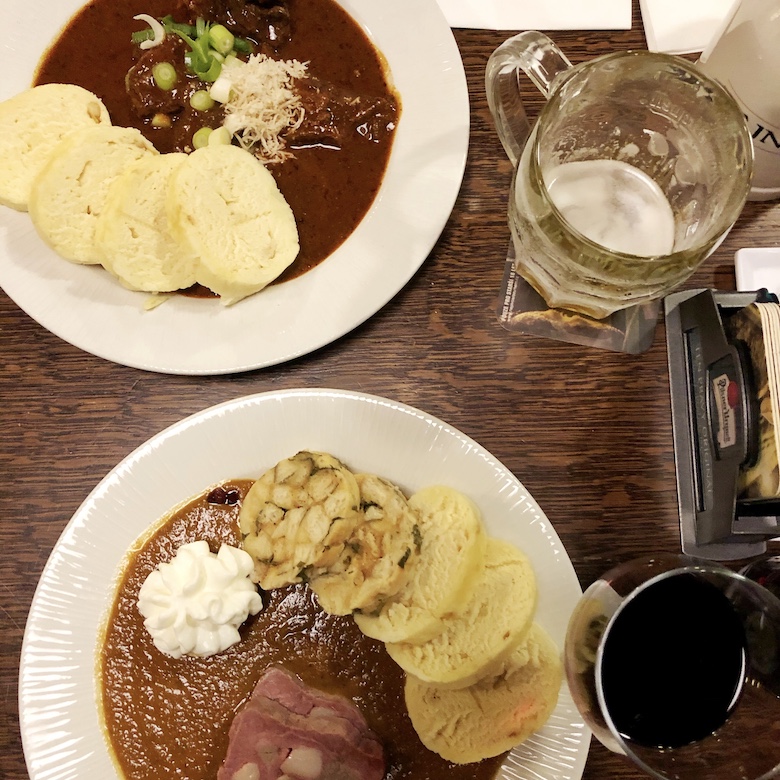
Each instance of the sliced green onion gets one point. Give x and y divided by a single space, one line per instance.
176 27
195 63
221 38
220 89
201 100
201 137
212 74
139 36
164 75
243 45
198 58
168 26
210 45
220 136
204 52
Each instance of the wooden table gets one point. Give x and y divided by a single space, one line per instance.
588 432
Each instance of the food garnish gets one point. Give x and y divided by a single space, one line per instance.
154 36
257 94
260 103
195 603
209 43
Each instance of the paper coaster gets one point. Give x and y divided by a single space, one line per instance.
522 310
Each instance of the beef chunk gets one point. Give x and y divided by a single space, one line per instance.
146 98
266 22
287 729
331 113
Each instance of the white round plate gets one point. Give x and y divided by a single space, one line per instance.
59 719
86 307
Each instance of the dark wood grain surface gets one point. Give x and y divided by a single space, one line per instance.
588 432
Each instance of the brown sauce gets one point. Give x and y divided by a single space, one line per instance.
329 190
170 718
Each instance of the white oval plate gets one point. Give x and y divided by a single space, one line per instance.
86 307
61 730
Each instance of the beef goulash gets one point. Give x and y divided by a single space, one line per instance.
296 83
206 676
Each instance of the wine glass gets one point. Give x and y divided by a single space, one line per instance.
675 662
766 571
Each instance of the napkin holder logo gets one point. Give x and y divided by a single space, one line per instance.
725 392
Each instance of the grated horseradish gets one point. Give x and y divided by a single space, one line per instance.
262 104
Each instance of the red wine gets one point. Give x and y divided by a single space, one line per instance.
673 663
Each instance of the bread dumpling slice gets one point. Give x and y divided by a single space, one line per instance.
32 123
70 192
494 714
479 637
378 557
451 559
226 207
132 230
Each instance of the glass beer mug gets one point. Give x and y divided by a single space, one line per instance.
635 170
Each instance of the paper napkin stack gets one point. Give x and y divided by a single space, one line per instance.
683 27
670 25
757 326
534 15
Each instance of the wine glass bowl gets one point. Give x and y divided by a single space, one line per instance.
675 662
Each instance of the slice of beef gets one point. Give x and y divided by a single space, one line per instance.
290 692
332 113
289 730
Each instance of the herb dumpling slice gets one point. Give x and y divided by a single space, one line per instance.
133 233
377 559
450 562
296 519
225 207
32 123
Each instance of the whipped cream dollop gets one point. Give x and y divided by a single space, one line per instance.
195 603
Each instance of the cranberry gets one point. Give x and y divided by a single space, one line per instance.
221 495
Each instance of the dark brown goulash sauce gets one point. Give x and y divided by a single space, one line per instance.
328 190
170 718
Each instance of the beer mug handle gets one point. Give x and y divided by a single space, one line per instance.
541 60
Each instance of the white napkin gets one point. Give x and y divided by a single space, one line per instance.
683 26
538 14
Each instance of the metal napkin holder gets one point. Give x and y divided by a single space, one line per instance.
714 523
